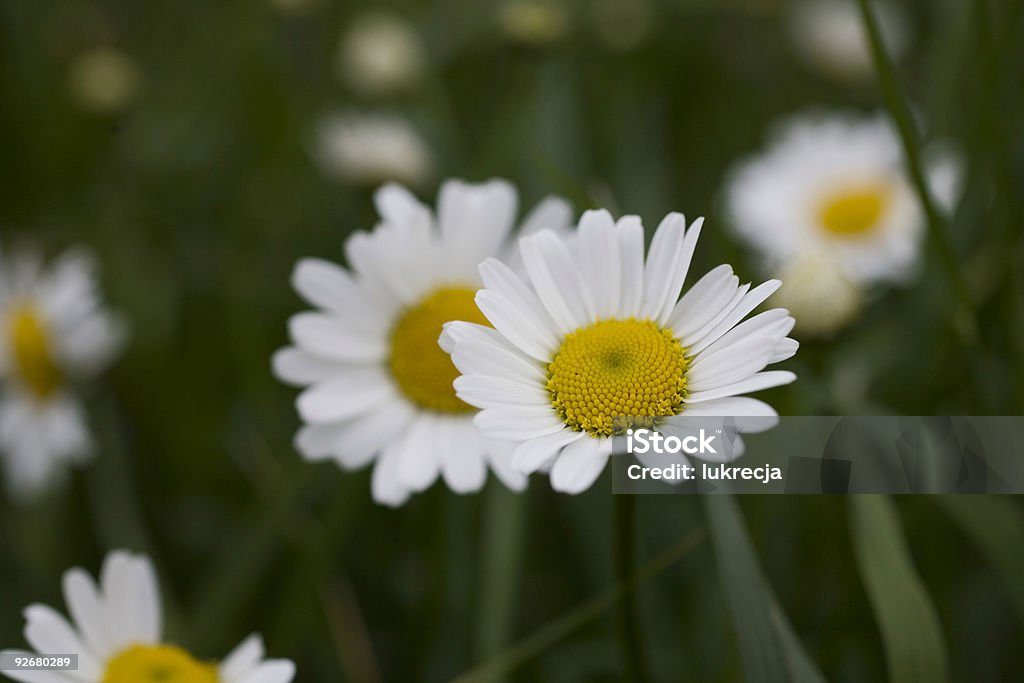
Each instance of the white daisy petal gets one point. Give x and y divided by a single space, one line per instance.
704 301
245 657
785 349
483 358
600 261
86 608
557 280
748 303
385 485
399 206
476 219
667 266
551 213
493 392
762 380
330 337
518 424
518 326
463 466
579 464
530 456
49 632
500 279
631 254
299 368
131 598
499 457
356 392
419 453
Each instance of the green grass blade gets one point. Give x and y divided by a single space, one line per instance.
995 525
915 649
770 649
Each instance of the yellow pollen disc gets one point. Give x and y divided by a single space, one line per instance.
158 664
855 210
422 370
617 368
29 345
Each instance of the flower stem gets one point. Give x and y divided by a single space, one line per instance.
504 525
623 555
899 110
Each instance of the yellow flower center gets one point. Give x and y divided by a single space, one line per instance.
617 368
29 345
422 370
158 664
854 210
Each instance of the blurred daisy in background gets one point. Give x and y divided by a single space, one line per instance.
829 35
821 298
104 80
116 630
597 331
831 191
54 333
371 149
533 22
378 386
380 54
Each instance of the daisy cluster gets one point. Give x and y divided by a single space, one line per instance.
543 341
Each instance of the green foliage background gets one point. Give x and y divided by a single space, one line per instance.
199 199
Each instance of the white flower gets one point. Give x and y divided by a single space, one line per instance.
533 22
833 184
379 388
371 149
818 294
116 630
104 79
380 54
597 331
830 35
54 332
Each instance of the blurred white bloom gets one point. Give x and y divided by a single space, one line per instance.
597 330
104 80
377 387
819 296
371 149
621 24
54 332
534 22
830 35
116 630
380 54
832 184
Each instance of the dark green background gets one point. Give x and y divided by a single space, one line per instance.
200 197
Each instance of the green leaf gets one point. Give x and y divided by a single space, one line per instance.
994 524
915 649
770 649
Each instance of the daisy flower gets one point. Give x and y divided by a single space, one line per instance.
369 149
833 185
116 631
829 35
378 388
54 332
381 54
597 331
